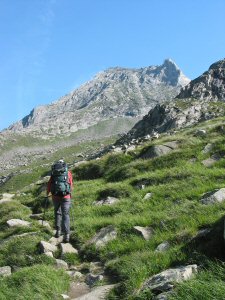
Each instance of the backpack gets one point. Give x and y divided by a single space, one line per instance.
60 185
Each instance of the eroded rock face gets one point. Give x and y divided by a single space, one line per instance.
210 85
213 197
165 280
105 235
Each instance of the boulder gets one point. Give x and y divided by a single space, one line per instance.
200 133
159 150
7 196
163 247
5 271
67 248
92 279
105 235
56 241
165 280
61 264
108 201
145 232
47 247
5 201
18 223
213 197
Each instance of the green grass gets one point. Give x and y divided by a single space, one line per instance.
174 212
36 282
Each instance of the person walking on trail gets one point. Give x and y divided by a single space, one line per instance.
60 186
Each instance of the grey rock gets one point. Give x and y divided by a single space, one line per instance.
200 132
61 264
163 247
163 296
18 223
47 247
92 279
67 248
44 223
209 86
165 280
211 161
7 196
148 196
146 232
5 201
202 233
208 148
97 293
96 268
56 241
64 296
108 201
75 274
105 235
50 254
213 197
159 150
5 271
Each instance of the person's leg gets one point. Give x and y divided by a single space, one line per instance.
66 218
58 217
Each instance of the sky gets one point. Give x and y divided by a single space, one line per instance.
50 47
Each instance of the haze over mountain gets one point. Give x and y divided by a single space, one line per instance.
115 92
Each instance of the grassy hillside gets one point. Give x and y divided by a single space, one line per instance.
177 182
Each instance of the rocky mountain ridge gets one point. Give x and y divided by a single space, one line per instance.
195 103
116 92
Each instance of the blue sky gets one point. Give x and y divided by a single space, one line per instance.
50 47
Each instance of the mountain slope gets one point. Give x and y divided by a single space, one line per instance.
116 92
195 103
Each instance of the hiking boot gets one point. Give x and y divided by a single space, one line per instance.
58 233
66 238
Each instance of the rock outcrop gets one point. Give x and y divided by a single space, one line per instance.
210 85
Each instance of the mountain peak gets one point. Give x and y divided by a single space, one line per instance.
210 85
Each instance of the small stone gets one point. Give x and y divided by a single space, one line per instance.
67 248
146 232
108 201
47 247
74 274
163 247
105 235
18 223
44 223
208 148
65 296
61 264
147 196
5 271
91 279
213 197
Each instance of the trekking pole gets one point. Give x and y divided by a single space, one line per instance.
45 207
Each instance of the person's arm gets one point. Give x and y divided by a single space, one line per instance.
70 178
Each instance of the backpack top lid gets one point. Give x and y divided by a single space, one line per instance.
59 167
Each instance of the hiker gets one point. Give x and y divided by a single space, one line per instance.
60 187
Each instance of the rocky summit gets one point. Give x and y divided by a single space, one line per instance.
116 92
195 103
210 85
